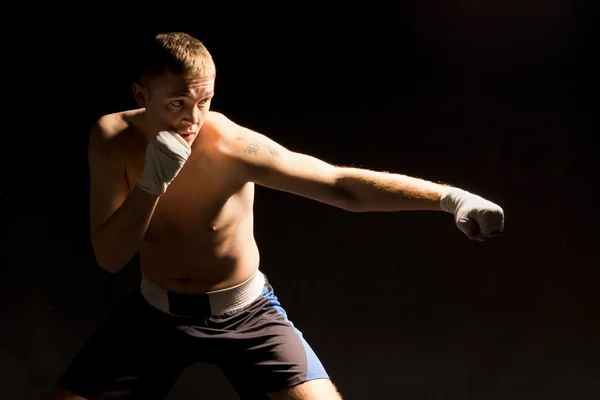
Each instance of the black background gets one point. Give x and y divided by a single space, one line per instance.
491 96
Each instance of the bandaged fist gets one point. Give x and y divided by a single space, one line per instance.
477 217
165 156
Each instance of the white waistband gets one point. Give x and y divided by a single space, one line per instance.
219 302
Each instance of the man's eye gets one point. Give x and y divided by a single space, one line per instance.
177 103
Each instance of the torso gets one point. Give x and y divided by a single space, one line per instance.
200 237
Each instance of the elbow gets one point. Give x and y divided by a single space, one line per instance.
109 257
112 269
347 200
353 205
106 259
109 265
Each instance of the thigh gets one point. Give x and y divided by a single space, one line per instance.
322 389
268 353
134 355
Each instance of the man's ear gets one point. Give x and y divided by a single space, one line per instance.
140 93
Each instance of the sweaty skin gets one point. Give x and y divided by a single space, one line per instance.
199 234
200 237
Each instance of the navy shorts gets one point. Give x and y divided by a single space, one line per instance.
141 350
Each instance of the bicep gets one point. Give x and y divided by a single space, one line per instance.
271 165
108 185
296 172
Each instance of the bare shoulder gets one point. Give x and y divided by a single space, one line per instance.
252 155
221 128
112 126
239 142
111 133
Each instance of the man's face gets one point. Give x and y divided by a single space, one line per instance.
176 102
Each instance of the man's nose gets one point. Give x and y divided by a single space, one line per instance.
192 116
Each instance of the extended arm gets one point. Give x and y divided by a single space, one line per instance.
271 165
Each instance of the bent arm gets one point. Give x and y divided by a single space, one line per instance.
116 240
119 217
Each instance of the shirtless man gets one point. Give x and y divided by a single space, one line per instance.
175 182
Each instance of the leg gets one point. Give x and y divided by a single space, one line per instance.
317 389
267 356
135 356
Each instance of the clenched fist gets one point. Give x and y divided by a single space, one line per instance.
477 217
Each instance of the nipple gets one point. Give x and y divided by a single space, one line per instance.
212 228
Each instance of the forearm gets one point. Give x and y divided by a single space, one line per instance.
116 241
382 191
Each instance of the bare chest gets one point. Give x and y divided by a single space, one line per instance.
202 198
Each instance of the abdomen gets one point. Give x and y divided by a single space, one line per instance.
189 249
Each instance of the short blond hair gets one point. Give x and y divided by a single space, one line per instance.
177 52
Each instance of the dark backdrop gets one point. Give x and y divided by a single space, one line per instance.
490 96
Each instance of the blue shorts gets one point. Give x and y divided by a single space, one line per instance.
141 351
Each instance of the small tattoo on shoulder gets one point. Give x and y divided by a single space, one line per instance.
255 145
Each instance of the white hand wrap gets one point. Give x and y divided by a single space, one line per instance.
475 216
165 155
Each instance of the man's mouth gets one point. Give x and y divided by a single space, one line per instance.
187 136
187 132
